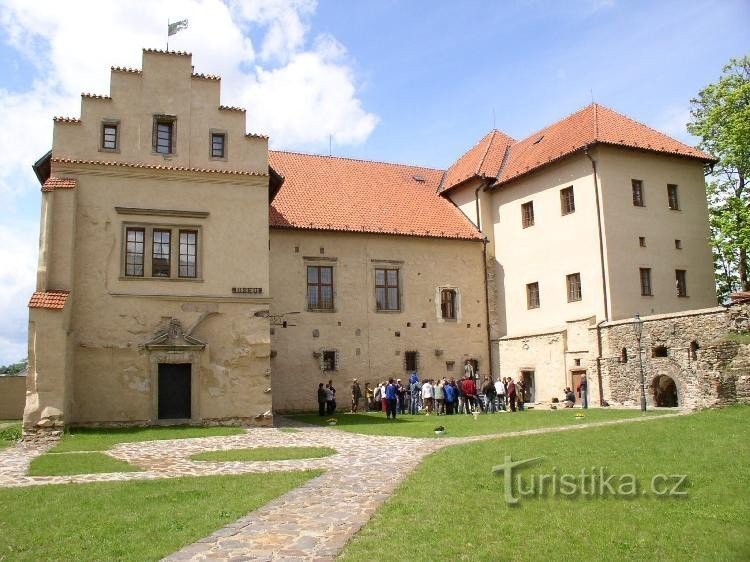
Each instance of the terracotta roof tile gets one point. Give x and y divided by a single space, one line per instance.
95 96
594 124
53 300
163 52
206 76
156 167
126 69
231 108
343 194
52 183
482 160
256 136
66 119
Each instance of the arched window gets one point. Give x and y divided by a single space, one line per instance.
624 355
694 347
660 351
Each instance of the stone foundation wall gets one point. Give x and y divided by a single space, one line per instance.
12 397
695 349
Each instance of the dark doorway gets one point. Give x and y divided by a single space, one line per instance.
174 391
665 392
528 379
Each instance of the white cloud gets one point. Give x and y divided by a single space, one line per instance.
18 246
298 87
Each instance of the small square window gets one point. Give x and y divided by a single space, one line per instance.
678 244
532 295
638 199
218 145
642 241
567 201
109 136
328 361
527 214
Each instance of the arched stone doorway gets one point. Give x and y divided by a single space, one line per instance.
664 392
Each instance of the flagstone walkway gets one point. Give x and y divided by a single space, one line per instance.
310 523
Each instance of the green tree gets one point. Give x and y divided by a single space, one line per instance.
721 118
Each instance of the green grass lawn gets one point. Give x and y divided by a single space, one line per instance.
143 520
9 434
65 464
453 507
101 439
463 425
265 454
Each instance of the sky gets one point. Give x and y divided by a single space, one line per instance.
411 81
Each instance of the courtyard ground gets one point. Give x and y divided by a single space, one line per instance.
452 507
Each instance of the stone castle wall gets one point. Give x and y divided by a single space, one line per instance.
698 350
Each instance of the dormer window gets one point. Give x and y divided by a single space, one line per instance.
164 134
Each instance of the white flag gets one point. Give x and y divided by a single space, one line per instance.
173 28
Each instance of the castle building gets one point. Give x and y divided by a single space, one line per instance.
188 274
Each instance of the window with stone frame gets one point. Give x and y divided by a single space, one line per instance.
448 304
645 274
163 136
149 251
681 282
387 289
329 360
319 287
110 136
218 145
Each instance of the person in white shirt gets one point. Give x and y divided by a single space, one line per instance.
439 398
500 388
428 396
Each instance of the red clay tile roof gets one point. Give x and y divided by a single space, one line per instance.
156 167
53 300
61 119
591 125
329 193
482 160
52 183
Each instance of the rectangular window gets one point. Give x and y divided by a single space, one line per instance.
329 361
638 199
188 253
672 197
386 289
527 214
109 136
319 287
448 304
161 253
678 244
574 287
218 142
411 360
567 201
681 281
532 295
646 282
642 241
134 251
163 135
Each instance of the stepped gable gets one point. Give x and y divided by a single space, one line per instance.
343 194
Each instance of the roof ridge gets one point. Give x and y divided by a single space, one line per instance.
538 131
486 152
399 164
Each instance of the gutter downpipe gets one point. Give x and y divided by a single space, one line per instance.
604 279
485 241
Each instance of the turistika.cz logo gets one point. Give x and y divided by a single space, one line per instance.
589 482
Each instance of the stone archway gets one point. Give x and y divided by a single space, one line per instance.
664 392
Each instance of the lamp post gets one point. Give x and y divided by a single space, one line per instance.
638 329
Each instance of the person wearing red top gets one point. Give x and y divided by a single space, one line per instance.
511 394
469 390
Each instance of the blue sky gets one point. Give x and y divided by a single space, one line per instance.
405 81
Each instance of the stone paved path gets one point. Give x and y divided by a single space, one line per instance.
312 522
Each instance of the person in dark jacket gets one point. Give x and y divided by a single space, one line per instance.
391 399
321 400
511 393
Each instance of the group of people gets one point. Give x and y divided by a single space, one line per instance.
570 396
434 397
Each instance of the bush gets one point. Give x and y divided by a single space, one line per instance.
12 433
